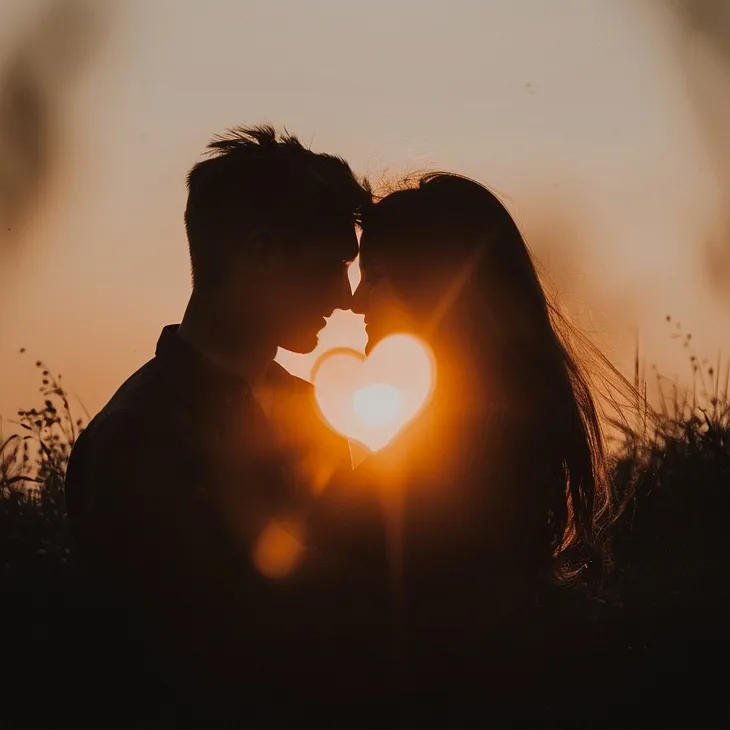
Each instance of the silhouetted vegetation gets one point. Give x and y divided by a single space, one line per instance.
32 468
673 481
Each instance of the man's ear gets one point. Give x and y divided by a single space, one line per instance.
264 249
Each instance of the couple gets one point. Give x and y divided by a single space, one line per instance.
396 588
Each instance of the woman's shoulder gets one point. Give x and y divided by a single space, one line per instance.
347 519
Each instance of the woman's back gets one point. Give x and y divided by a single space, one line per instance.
466 516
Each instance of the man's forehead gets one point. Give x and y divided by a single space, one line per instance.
341 244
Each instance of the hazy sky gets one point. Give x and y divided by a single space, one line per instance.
574 109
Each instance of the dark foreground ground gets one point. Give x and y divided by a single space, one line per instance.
645 647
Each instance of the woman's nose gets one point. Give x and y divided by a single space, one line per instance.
358 300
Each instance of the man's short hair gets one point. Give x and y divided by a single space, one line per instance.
258 178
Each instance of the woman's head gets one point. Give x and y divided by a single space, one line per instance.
444 259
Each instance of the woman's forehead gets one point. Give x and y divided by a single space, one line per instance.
376 247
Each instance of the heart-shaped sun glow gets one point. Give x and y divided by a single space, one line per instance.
371 399
378 404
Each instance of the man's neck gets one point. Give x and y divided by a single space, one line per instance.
239 349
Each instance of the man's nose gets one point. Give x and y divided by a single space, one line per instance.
343 293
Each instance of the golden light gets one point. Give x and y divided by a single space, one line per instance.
371 399
368 400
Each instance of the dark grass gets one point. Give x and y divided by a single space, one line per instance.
34 535
666 600
671 539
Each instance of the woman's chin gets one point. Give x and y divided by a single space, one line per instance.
377 336
374 336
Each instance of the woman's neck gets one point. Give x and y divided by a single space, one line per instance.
464 384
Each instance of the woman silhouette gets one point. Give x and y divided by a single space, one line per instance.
499 487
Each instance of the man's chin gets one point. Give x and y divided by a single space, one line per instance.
303 345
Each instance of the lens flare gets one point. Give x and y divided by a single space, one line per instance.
278 550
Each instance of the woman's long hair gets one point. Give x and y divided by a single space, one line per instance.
517 334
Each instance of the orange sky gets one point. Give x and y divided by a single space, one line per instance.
574 109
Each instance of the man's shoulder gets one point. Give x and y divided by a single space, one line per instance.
128 448
139 392
136 416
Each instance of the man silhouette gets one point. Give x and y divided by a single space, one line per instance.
211 442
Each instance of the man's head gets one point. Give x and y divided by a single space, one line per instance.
271 231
